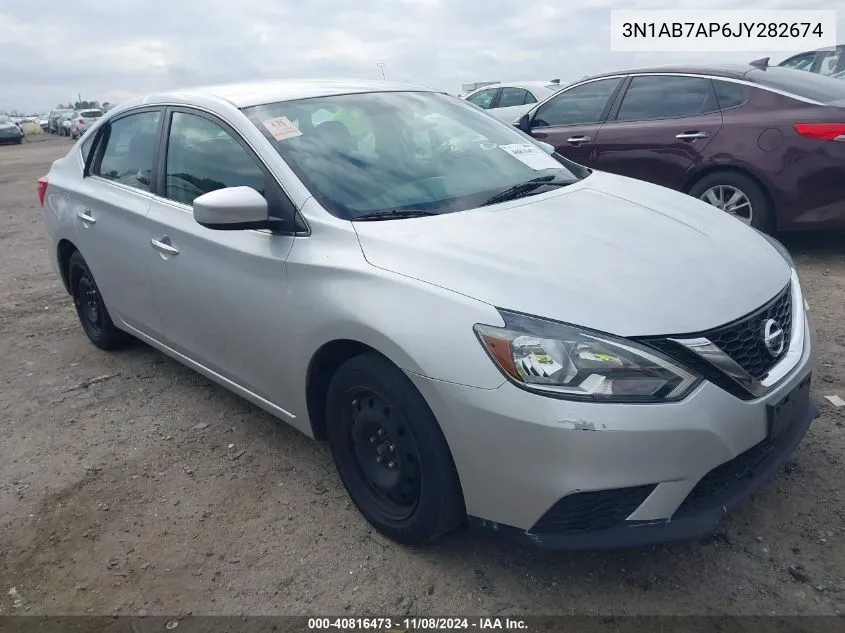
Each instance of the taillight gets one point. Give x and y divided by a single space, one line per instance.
42 189
81 121
822 131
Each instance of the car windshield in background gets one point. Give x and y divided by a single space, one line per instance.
371 153
820 88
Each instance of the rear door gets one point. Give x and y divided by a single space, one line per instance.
570 120
513 103
659 128
110 212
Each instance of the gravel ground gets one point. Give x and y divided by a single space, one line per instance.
130 484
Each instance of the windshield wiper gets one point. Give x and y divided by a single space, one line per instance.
524 188
395 214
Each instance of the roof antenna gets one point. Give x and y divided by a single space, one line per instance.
763 62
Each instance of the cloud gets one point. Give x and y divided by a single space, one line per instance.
113 50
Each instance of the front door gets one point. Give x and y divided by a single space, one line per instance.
219 291
660 129
571 119
110 212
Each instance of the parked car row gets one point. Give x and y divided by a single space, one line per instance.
764 143
10 132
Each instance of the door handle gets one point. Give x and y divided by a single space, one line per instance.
539 134
691 136
579 139
86 217
164 247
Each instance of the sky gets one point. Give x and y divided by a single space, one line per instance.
52 51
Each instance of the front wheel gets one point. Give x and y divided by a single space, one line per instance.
92 312
738 195
390 452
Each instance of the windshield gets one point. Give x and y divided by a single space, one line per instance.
377 152
805 84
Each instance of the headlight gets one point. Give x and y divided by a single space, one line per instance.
575 363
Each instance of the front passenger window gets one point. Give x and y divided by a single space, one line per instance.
130 149
203 157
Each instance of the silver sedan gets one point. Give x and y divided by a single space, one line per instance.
480 328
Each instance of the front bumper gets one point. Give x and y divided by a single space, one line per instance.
10 134
747 473
521 457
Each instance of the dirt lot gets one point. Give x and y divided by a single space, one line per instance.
112 500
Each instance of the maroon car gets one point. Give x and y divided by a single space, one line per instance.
766 144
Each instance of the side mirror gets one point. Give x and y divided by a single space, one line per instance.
546 147
524 123
232 209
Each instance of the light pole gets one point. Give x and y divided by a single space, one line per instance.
381 68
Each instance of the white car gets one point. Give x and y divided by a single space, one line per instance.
509 101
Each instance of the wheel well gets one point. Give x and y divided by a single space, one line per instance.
65 250
320 371
737 170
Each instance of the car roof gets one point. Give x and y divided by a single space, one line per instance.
732 71
244 95
517 84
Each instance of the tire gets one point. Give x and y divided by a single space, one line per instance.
93 315
761 212
384 438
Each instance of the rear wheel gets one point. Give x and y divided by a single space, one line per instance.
92 312
738 195
390 452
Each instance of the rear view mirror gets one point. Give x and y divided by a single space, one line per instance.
524 123
232 209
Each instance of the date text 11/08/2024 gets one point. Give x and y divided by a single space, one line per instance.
409 624
722 29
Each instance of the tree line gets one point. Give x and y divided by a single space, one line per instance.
84 105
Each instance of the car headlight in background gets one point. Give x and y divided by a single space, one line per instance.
575 363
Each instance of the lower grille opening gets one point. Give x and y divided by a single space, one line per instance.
594 510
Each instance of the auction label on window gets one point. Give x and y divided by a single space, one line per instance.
531 155
281 128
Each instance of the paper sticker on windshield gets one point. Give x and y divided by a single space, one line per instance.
281 128
531 155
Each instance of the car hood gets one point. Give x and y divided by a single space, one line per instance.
610 253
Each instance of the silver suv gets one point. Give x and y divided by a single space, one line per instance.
480 328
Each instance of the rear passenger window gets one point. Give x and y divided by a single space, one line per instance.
130 148
730 94
203 157
667 97
512 97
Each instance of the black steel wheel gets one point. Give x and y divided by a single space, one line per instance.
92 312
390 452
